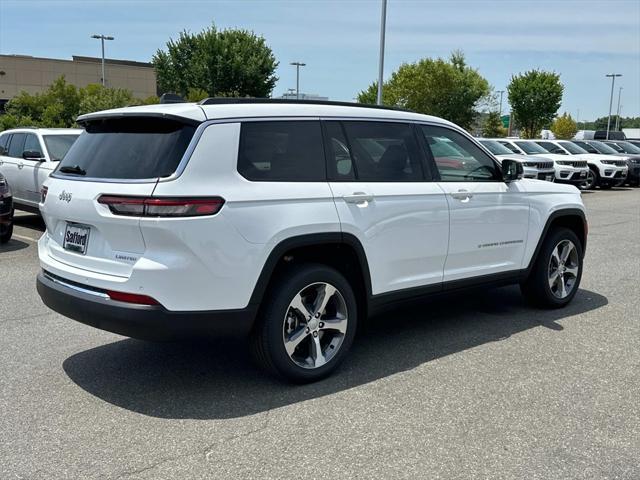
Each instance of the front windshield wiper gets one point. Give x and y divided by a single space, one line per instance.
76 170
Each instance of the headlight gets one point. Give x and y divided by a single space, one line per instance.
609 162
562 162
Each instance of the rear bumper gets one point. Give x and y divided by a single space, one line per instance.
140 321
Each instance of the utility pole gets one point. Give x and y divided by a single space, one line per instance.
298 65
613 81
618 110
383 26
102 38
500 92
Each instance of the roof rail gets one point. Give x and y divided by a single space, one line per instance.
250 100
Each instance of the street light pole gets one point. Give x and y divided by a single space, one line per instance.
618 109
500 92
298 65
383 26
613 81
102 38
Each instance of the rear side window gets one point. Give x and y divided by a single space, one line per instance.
282 151
58 145
381 152
129 148
16 145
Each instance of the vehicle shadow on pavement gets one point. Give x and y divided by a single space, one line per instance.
29 220
13 246
217 380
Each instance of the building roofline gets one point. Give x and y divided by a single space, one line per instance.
79 58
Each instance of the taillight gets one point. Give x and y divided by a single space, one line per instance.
43 194
162 207
131 298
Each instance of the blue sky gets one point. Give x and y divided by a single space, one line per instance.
581 40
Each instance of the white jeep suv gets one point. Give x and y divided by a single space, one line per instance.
608 168
28 156
573 172
289 222
534 167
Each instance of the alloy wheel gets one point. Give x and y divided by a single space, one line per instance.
563 270
315 325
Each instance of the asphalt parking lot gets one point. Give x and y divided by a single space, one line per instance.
473 386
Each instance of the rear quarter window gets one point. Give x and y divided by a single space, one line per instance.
282 151
130 148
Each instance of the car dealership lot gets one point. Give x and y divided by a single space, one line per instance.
468 386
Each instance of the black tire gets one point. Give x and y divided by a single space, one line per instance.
536 288
593 179
6 231
267 342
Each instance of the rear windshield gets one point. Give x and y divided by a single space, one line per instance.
128 148
58 145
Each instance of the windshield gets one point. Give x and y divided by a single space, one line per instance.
530 148
58 145
627 147
602 147
572 148
496 148
128 148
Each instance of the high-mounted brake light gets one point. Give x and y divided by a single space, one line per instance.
131 298
162 207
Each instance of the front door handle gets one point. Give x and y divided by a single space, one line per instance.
463 195
358 197
20 165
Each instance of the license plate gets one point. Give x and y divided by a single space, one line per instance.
549 178
76 238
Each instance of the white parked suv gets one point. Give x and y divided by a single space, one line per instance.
608 168
28 156
573 172
534 167
289 222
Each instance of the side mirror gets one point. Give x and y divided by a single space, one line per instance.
33 155
512 170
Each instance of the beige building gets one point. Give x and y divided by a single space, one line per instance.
32 74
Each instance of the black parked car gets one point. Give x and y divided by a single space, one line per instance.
632 154
6 211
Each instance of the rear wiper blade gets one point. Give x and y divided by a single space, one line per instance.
76 169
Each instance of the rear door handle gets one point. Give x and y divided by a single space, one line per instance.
463 195
358 197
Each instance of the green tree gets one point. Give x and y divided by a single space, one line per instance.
493 126
445 88
535 97
61 103
221 63
564 127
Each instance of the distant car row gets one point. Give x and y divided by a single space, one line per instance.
586 164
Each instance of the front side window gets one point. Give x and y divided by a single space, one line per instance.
341 167
384 151
58 145
16 145
282 151
457 158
